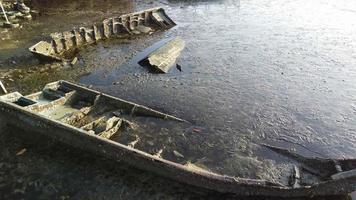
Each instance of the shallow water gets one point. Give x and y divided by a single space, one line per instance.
254 72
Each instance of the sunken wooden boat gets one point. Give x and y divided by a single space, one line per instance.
89 120
62 44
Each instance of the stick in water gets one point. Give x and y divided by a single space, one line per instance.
3 89
3 10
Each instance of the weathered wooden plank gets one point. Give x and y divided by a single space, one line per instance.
165 56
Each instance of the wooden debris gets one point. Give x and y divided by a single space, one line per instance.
133 143
165 57
144 22
3 89
22 151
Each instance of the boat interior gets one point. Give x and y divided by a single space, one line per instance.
89 110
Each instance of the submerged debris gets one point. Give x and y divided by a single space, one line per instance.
143 22
165 56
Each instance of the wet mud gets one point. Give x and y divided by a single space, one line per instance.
252 72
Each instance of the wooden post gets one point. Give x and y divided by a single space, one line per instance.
3 89
3 10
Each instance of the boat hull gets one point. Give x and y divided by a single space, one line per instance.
100 146
144 22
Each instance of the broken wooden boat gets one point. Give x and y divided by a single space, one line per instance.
143 22
2 88
90 120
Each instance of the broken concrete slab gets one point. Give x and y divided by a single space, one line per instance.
163 58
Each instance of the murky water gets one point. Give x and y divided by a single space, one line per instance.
254 72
